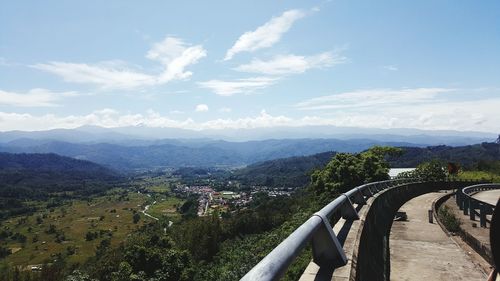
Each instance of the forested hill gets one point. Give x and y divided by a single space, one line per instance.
36 175
50 162
285 172
294 171
468 156
191 153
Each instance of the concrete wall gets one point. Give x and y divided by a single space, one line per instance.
372 257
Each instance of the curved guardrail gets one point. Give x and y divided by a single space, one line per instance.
326 247
472 206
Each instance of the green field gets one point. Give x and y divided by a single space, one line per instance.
479 175
166 206
109 216
158 184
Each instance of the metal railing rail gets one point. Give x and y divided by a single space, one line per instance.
326 248
472 206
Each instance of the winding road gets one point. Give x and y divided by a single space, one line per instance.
146 209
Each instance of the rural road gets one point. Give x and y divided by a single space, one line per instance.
146 209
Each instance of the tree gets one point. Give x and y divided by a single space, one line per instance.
428 171
4 251
431 171
78 276
136 217
453 168
347 170
123 273
89 236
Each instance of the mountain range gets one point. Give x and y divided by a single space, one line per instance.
143 135
141 147
190 153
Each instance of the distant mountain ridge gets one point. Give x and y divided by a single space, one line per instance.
193 153
143 135
466 156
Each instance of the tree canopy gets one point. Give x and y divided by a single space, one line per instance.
347 170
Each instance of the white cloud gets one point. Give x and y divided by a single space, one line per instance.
391 67
422 108
477 115
101 74
201 108
172 53
33 98
175 56
266 35
373 98
229 88
288 64
263 120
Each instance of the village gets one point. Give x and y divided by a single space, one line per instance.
210 200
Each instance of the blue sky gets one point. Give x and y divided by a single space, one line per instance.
235 64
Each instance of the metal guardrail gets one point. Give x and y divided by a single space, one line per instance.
326 247
472 206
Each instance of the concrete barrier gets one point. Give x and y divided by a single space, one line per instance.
371 261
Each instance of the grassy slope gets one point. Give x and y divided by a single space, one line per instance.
75 221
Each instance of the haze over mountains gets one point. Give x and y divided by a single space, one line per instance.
137 135
139 147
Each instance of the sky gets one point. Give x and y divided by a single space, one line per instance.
250 64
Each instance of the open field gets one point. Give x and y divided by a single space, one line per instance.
108 216
166 207
158 184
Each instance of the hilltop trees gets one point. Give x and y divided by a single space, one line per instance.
347 170
429 171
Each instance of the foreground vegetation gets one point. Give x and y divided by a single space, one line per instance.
101 240
107 237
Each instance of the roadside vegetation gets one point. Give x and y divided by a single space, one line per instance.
448 219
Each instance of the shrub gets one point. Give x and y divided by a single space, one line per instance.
448 219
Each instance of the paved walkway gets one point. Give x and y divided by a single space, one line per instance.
490 196
422 251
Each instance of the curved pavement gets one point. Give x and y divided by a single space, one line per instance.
422 251
490 196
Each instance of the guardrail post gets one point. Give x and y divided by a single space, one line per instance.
482 215
366 191
347 210
370 190
466 206
472 210
359 198
326 248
